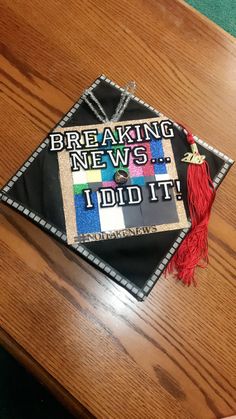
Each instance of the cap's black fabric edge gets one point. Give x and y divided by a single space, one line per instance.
76 248
139 293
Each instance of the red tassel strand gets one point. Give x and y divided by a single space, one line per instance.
193 251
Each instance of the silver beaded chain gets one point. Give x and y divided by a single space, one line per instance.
98 110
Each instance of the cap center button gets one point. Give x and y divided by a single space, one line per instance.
121 177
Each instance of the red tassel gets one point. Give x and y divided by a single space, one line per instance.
193 251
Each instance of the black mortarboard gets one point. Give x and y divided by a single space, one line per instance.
153 222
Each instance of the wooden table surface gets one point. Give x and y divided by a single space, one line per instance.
103 353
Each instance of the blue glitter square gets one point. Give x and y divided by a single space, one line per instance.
138 180
87 220
157 152
108 173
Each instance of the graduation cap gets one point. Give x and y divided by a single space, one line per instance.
124 187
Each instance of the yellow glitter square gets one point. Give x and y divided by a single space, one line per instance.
94 175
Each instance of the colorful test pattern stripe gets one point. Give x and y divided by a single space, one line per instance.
100 219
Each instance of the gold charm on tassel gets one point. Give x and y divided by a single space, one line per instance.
194 157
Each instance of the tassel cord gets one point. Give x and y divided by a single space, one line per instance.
193 251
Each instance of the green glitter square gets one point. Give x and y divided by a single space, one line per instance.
79 188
